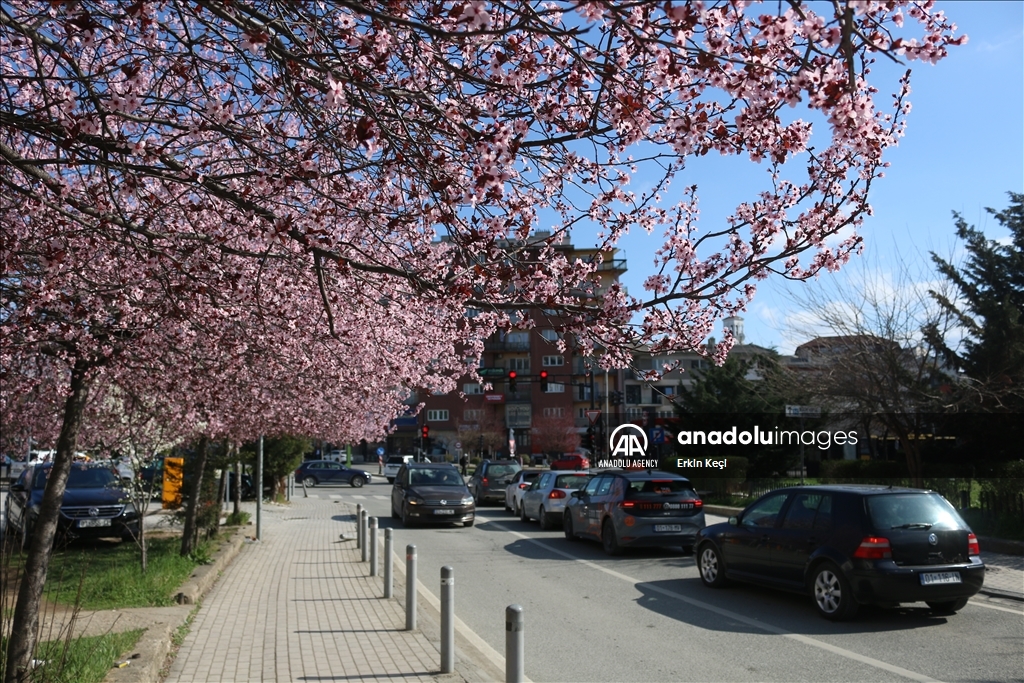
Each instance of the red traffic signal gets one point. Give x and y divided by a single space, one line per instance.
512 380
426 432
543 380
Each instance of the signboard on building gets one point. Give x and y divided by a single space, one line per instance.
494 398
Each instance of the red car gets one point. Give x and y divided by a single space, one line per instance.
571 461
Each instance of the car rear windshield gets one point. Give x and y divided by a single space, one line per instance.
503 470
395 460
81 478
656 487
571 481
912 511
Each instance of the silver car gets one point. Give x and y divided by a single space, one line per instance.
623 508
545 499
517 487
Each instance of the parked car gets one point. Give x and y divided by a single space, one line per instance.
393 464
624 508
846 546
516 487
94 505
570 461
316 472
490 479
427 492
545 499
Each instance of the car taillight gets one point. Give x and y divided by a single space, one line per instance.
973 548
483 480
874 548
557 493
627 504
524 485
698 504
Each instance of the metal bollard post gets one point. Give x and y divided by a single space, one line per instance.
410 588
359 529
373 546
362 531
389 581
514 650
447 620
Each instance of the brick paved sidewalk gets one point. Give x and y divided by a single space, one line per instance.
300 606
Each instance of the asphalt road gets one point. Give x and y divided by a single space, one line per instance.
646 616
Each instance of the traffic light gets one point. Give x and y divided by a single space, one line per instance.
544 381
512 381
425 433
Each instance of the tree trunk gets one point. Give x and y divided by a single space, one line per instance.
190 532
237 493
25 623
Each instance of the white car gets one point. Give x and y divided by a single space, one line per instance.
393 464
515 489
546 498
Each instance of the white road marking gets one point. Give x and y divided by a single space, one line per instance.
842 652
975 603
334 496
358 497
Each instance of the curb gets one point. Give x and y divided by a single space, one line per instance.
153 648
1001 545
205 576
998 593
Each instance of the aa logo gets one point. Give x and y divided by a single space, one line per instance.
628 441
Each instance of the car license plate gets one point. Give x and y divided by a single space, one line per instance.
444 512
668 527
932 578
84 523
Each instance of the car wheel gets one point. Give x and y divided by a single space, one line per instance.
542 517
948 606
357 482
832 593
309 482
609 540
522 513
508 508
711 567
570 535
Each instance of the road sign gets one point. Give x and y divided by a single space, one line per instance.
458 445
658 435
592 415
803 411
380 450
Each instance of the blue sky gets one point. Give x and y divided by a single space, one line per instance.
964 150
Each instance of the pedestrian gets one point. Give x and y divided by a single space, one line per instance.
464 461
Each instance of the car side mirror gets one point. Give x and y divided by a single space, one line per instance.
735 521
577 494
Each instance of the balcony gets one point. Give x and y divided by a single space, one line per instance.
618 264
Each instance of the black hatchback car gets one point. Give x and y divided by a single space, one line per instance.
431 493
315 472
847 546
95 504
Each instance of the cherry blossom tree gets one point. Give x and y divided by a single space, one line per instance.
243 206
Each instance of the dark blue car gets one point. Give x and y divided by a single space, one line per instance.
848 545
315 472
95 504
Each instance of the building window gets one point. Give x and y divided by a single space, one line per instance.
471 388
584 392
634 413
552 361
437 416
632 393
517 415
554 412
472 415
556 388
549 335
519 364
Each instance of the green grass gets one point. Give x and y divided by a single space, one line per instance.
81 660
110 576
